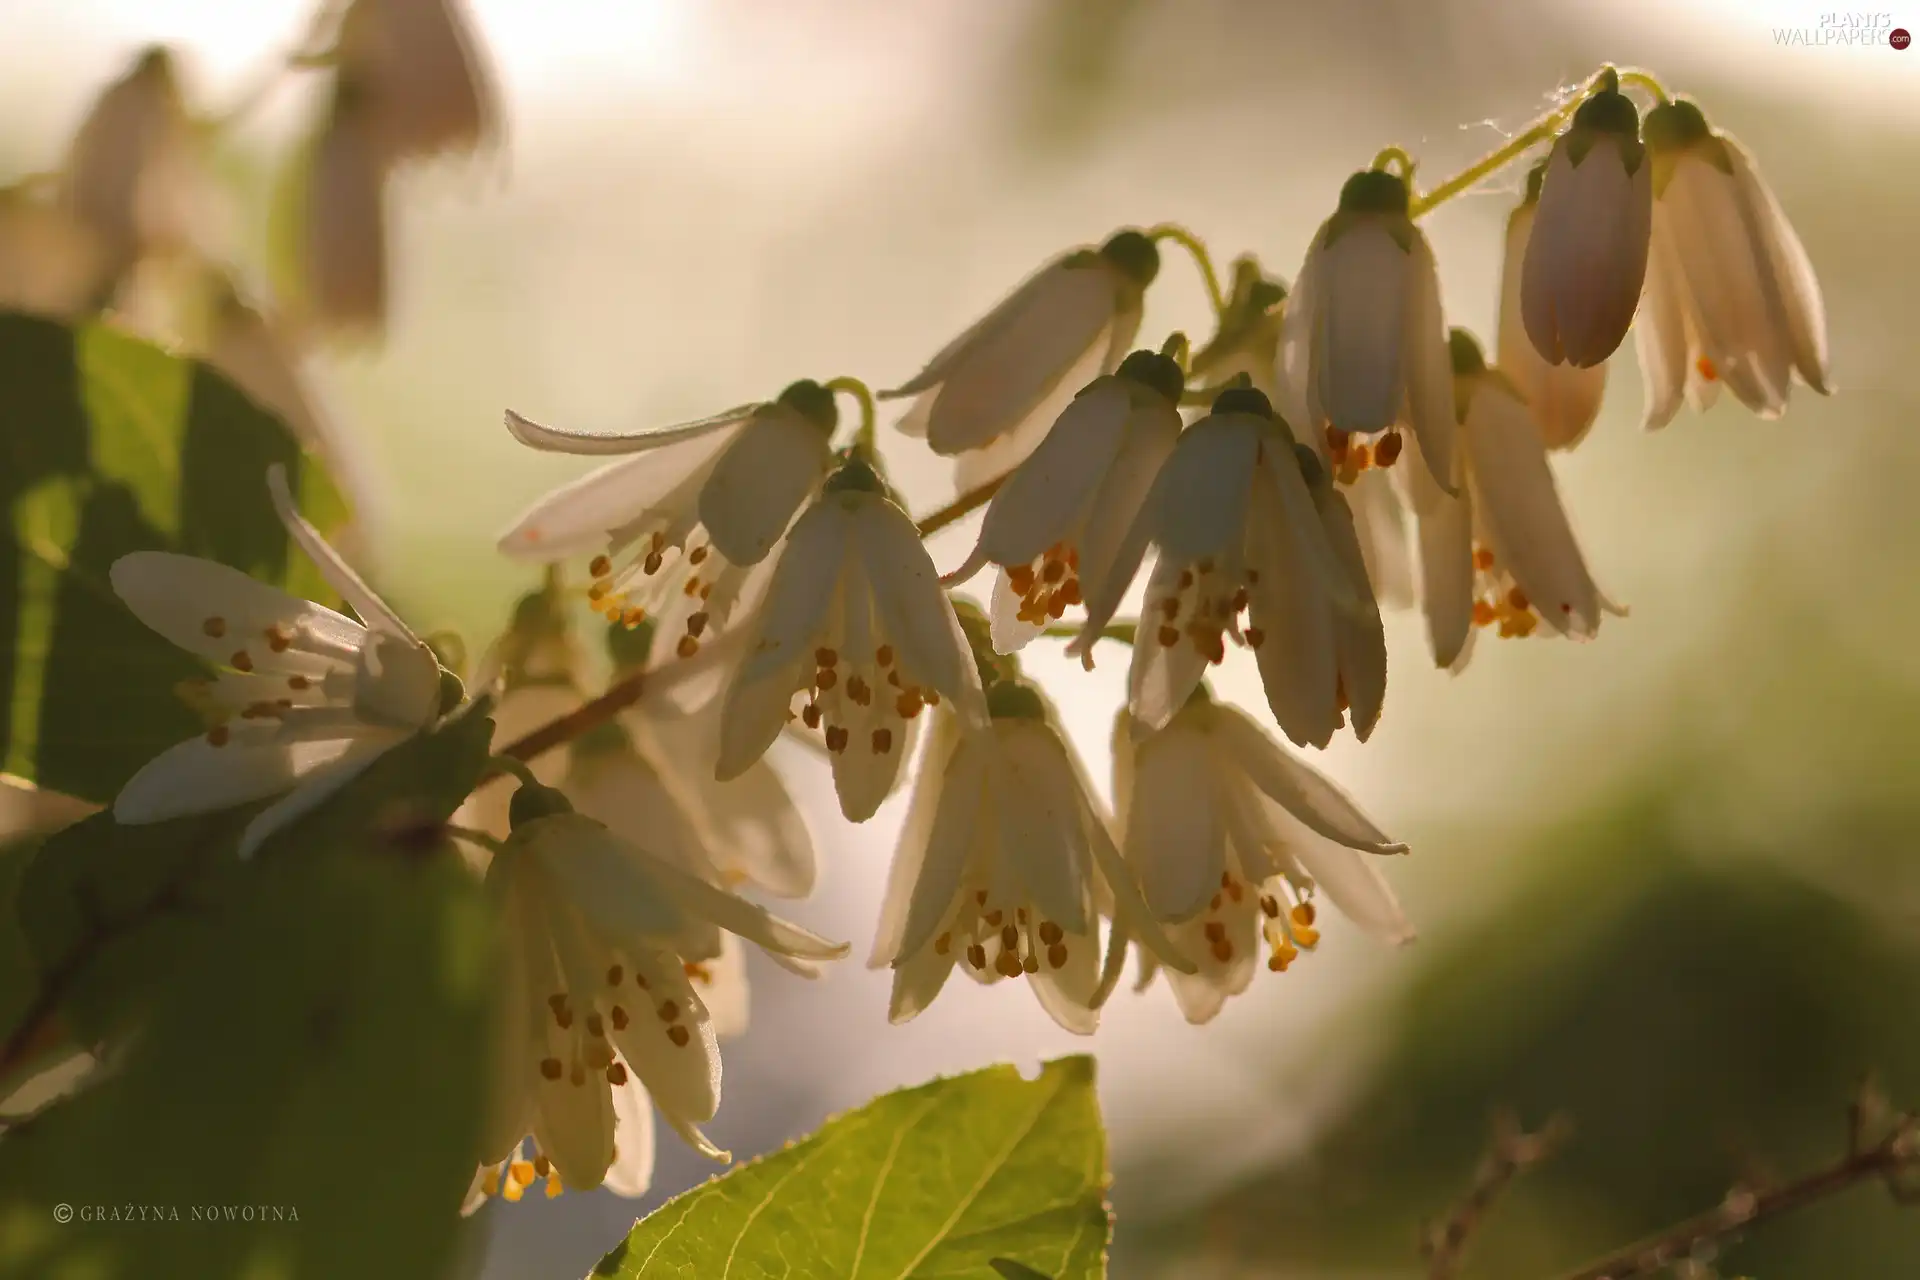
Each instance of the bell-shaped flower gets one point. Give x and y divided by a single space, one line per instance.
1586 258
1232 838
1246 340
338 212
597 990
1005 867
856 632
1364 343
676 528
50 264
1067 324
1563 399
1501 553
1731 295
1064 511
305 699
420 74
1237 532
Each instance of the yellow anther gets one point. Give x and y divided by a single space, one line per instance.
511 1192
279 639
825 657
1010 937
697 555
600 566
1302 916
520 1171
687 647
697 623
541 1165
553 1186
651 565
1057 955
1007 965
490 1182
616 1074
618 1016
240 661
1270 905
836 738
825 678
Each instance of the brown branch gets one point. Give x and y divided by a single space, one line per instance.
1886 1160
1511 1153
591 714
971 500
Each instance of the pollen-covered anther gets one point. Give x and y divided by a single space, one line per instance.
679 1035
651 565
825 657
697 971
1057 955
1387 452
697 555
1010 936
882 741
298 682
616 1074
1008 965
943 944
669 1011
859 691
697 623
1707 369
552 1068
687 647
977 956
600 566
279 639
1168 637
836 738
1254 637
810 715
825 679
617 1016
522 1172
993 918
907 705
218 736
241 661
615 975
214 627
1270 906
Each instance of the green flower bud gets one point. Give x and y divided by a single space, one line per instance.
534 801
1151 369
814 403
1137 257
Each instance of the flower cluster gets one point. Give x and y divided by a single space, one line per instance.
1333 449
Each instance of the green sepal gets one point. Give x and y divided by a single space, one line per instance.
533 801
1136 256
1158 373
1250 400
1015 699
813 402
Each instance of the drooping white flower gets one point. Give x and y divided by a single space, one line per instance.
420 75
1586 258
1237 531
1502 553
1563 399
341 220
1063 512
1082 307
1731 295
308 698
854 623
600 998
1232 836
1005 867
1363 345
676 528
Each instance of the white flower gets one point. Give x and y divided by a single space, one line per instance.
1064 511
1231 836
1082 307
1237 530
1363 345
1501 554
342 220
307 698
49 264
1004 868
676 528
1359 635
1731 295
420 75
1587 257
856 622
1563 399
604 937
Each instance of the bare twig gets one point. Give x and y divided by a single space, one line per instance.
1511 1153
591 714
971 500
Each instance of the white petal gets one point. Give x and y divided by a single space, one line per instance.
948 807
1291 604
1588 253
913 612
317 786
631 1172
573 1125
1444 538
1790 271
1563 400
1380 522
1130 910
1521 511
760 481
764 837
197 777
588 514
975 334
1429 366
1360 640
1160 676
1173 837
1198 504
721 985
338 573
1151 433
1041 831
1312 798
1721 265
684 1079
185 597
1357 888
1660 334
1070 994
1363 323
917 979
736 915
863 778
1007 631
620 889
1295 373
589 444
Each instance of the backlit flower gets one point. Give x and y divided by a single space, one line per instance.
1731 295
1005 867
676 528
1064 511
419 74
1067 324
857 632
1364 343
1233 838
1586 258
1563 399
306 698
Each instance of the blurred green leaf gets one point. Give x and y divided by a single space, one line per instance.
111 446
939 1180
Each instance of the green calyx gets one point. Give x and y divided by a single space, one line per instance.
1464 350
1375 191
532 801
630 646
1607 113
1312 471
1676 126
813 402
1159 372
991 666
1244 400
1015 699
1535 177
605 738
452 692
1137 257
856 475
1200 697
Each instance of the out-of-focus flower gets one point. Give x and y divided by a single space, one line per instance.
1005 867
1586 258
419 75
1064 511
676 529
1069 323
1501 554
1231 837
49 264
1563 399
340 220
605 936
306 698
1731 295
855 621
1237 532
1246 339
1363 346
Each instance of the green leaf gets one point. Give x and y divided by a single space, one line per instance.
109 445
951 1179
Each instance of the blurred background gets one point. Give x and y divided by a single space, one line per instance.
1668 883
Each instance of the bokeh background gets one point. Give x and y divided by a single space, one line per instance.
1668 884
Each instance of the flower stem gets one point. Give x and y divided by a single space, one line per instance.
1644 80
1195 246
972 500
863 396
472 836
619 695
1389 155
1177 349
503 765
1121 629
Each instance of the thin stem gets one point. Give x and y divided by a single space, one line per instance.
472 836
971 500
1892 1156
1511 1153
619 695
510 766
1197 248
863 396
1177 349
1391 155
1121 629
1539 131
1644 80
